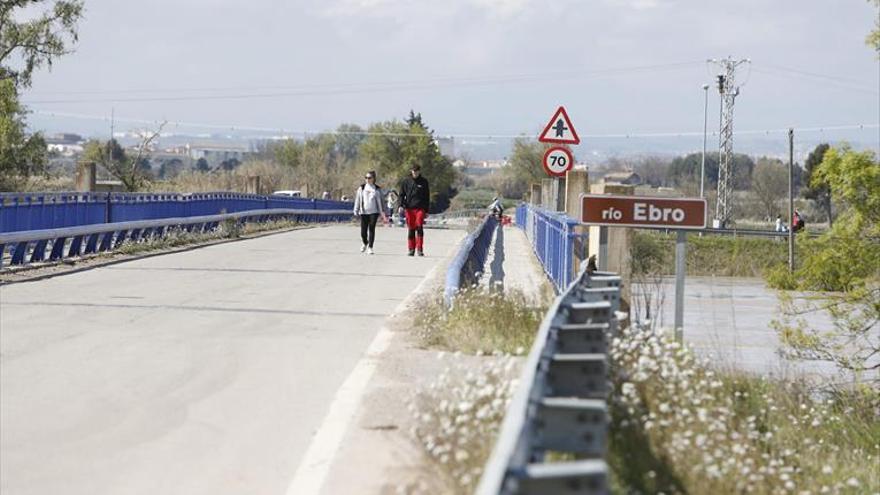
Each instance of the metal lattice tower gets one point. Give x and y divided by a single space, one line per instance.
728 91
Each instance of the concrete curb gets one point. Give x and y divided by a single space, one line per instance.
95 261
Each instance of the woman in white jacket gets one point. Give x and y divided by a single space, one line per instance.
368 205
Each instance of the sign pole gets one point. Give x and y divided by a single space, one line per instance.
680 268
603 249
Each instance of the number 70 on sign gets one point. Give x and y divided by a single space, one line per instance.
558 161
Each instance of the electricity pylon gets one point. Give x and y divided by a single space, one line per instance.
728 91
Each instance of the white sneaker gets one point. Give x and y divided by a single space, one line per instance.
363 248
369 250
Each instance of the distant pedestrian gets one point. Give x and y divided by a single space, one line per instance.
415 199
368 206
391 201
780 225
497 208
325 195
797 222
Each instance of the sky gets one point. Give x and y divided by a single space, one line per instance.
483 67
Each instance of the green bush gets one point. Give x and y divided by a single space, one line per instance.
654 253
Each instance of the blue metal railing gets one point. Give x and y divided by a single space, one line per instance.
468 263
40 211
553 238
33 246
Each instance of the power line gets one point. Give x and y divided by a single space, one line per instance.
335 89
825 82
469 79
293 132
813 74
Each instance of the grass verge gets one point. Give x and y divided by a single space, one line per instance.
480 322
180 237
458 415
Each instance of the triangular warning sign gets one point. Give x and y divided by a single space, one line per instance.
559 130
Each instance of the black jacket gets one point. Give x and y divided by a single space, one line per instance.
414 193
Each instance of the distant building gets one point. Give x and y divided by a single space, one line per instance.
64 138
215 155
628 178
68 150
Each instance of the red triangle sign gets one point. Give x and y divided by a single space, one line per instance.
559 130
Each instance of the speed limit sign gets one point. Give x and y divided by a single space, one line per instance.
558 161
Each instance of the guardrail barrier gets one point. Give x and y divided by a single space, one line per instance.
553 238
31 246
467 265
560 403
40 211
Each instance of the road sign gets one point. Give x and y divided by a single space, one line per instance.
558 161
559 130
642 211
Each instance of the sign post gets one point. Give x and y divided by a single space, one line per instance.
558 159
680 268
679 214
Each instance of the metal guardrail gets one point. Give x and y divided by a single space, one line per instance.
553 236
33 246
560 403
39 211
467 265
454 217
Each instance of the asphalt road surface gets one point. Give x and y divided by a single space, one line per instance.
204 372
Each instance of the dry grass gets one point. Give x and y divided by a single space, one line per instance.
481 321
179 237
458 416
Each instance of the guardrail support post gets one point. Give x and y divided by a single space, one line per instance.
680 268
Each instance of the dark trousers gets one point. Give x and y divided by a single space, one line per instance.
368 228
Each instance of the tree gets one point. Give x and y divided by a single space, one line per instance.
348 139
873 38
318 164
653 170
287 153
844 264
30 44
21 156
525 166
170 169
230 164
686 169
819 192
392 146
202 165
26 45
134 172
770 184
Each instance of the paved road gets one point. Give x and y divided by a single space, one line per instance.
205 372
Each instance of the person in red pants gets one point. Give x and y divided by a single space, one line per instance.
415 198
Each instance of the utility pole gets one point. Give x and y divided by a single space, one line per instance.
705 123
728 92
790 200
